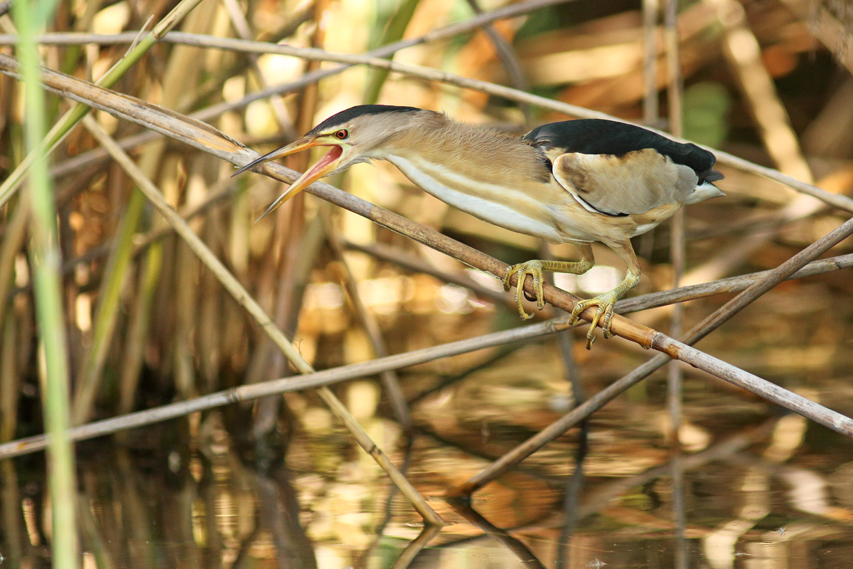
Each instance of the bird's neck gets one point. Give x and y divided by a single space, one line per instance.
475 153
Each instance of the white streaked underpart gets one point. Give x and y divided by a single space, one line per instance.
480 207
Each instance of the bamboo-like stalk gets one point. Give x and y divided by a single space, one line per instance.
10 380
140 317
394 29
279 281
242 296
44 249
508 57
12 516
744 57
827 29
396 362
108 310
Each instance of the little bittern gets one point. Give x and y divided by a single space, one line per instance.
576 181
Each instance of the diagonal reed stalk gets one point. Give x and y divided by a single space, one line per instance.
242 296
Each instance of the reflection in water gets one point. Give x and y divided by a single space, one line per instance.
760 490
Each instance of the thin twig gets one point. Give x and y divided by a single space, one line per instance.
410 262
241 26
445 381
732 284
743 55
650 59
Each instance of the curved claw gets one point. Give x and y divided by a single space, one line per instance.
534 269
604 314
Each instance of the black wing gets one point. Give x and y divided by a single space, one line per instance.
598 136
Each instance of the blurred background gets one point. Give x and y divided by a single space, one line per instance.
279 482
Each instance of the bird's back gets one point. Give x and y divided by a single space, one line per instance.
598 136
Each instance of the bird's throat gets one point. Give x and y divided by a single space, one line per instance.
326 161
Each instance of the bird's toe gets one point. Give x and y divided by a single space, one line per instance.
534 269
603 316
511 270
578 310
605 323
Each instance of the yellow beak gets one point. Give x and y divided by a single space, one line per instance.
326 165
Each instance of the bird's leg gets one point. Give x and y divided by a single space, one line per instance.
536 267
605 301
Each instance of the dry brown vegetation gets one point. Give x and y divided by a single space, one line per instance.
189 311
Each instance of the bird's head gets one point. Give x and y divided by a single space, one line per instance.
354 135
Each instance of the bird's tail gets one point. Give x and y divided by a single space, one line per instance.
710 175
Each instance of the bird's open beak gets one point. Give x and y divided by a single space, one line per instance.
326 165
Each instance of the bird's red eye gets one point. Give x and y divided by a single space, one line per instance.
342 134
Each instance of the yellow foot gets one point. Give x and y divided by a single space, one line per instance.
605 303
534 269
